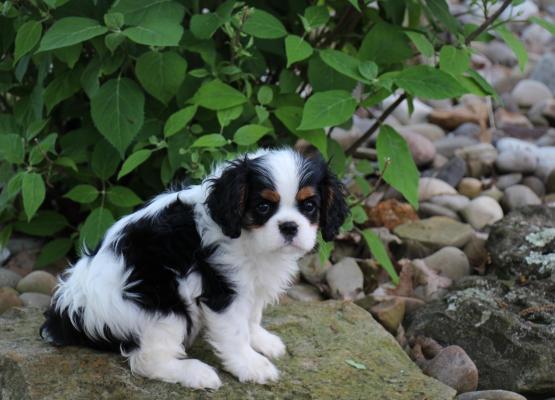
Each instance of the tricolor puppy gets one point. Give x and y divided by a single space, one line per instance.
210 256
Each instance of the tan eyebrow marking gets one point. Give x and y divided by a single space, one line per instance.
305 192
270 195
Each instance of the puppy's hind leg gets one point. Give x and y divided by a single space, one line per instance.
161 356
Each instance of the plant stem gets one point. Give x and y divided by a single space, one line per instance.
376 124
478 31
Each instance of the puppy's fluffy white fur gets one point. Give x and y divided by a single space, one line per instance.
102 299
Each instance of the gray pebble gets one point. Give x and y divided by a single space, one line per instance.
519 196
8 278
37 300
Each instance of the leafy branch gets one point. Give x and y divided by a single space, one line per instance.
471 36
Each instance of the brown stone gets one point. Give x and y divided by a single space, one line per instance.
389 313
391 213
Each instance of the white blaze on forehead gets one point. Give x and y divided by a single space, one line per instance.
285 169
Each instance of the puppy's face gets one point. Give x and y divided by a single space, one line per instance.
278 201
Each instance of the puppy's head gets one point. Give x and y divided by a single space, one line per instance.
277 199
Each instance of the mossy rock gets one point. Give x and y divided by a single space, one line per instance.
320 338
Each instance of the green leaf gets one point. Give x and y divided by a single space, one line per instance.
210 140
329 108
89 78
179 120
113 41
227 115
66 162
355 4
263 25
261 113
454 61
39 151
322 77
156 30
368 70
440 10
5 234
136 12
216 95
324 249
401 172
161 74
117 111
359 215
344 64
486 87
12 148
380 253
428 83
69 31
62 87
105 159
385 44
550 27
203 26
355 364
315 16
69 55
35 128
53 251
94 227
33 193
290 116
82 194
45 223
296 49
123 197
14 184
265 95
421 43
515 44
114 20
133 161
28 35
250 134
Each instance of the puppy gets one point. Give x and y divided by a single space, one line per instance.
211 256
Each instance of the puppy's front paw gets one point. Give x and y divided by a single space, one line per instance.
200 376
266 343
255 368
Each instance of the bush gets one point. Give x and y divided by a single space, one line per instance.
103 104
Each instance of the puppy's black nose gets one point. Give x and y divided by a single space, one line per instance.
288 229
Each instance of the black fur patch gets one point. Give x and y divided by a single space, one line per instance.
59 331
331 195
236 193
157 250
161 249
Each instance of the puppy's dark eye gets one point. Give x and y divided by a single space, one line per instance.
263 208
309 206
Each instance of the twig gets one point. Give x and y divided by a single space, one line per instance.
376 124
478 31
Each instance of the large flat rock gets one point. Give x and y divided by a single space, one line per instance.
320 337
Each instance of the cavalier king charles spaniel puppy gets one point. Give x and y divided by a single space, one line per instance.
208 257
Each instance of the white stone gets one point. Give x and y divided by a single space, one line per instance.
528 92
511 144
430 187
345 280
482 211
419 115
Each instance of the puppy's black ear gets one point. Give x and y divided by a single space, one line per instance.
334 208
228 196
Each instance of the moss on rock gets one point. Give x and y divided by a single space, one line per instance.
320 338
